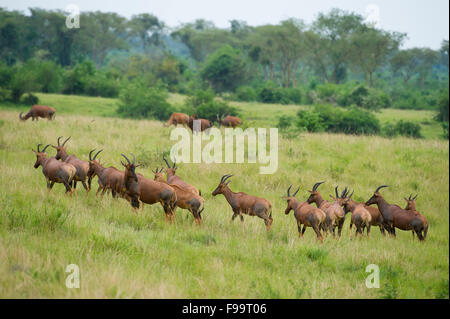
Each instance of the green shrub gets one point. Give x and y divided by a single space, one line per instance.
403 128
284 122
29 99
245 93
5 95
442 116
358 95
139 101
309 121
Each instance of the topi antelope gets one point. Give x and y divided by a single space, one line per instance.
241 203
361 216
177 118
305 214
81 166
396 217
411 206
109 178
204 124
139 188
54 170
38 111
185 198
228 121
335 213
173 179
376 219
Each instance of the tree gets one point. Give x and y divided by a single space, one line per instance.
426 58
404 63
225 69
444 53
371 48
148 28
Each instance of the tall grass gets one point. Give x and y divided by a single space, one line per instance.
126 255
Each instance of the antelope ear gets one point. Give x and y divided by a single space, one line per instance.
54 146
310 192
137 165
405 199
34 151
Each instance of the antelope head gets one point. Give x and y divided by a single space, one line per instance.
348 202
376 196
411 202
340 199
159 174
40 155
291 200
223 184
314 194
170 170
93 162
61 149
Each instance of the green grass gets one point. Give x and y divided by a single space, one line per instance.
124 255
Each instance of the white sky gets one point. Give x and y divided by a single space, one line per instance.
425 21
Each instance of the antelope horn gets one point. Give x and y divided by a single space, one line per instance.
380 187
168 166
409 198
414 198
344 192
95 156
288 191
126 158
45 148
59 138
66 140
174 163
90 153
293 195
39 144
316 185
351 195
226 178
134 159
336 191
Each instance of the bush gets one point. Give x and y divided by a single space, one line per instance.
284 122
204 104
403 128
245 93
442 116
29 99
331 119
5 95
139 101
270 93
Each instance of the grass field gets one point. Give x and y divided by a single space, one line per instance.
124 255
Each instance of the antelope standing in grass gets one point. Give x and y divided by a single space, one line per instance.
54 170
241 203
139 188
81 166
185 198
305 214
204 123
109 178
361 217
173 179
177 118
335 213
411 206
396 217
376 219
38 111
228 121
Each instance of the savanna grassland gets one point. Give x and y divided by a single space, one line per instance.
124 255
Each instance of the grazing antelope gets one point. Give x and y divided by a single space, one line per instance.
228 121
185 198
241 203
411 206
109 178
361 217
173 179
305 214
54 170
178 118
204 123
139 188
81 166
396 217
38 111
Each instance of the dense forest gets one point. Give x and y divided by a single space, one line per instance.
337 60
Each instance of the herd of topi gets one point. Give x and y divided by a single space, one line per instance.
168 189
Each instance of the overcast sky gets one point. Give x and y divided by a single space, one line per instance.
425 21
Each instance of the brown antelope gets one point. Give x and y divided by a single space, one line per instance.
376 219
335 213
204 123
173 179
228 121
81 166
38 111
139 188
54 170
109 178
396 217
361 217
178 118
305 214
411 206
185 198
241 203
